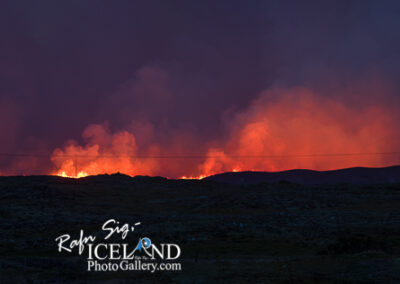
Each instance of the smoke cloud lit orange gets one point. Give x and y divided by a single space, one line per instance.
103 153
282 129
298 129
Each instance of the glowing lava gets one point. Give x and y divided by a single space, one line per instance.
79 175
192 177
282 129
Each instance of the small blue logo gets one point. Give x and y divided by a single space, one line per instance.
143 243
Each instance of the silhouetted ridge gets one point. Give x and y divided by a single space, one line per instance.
356 175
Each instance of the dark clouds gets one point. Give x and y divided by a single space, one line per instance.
177 65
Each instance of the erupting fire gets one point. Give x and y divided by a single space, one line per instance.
283 129
79 175
198 177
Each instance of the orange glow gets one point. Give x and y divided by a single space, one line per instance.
79 175
282 129
299 129
192 177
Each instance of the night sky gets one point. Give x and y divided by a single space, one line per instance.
158 78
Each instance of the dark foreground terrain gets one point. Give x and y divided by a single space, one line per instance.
262 233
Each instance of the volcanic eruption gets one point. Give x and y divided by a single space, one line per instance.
196 91
281 129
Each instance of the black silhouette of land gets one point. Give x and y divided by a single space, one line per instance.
357 175
291 227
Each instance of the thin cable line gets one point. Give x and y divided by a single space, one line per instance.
116 156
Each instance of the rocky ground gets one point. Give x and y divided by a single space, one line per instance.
265 233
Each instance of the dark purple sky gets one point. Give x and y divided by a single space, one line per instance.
180 65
